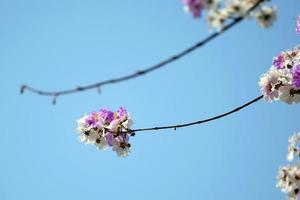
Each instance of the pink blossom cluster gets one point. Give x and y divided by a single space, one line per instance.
106 129
282 81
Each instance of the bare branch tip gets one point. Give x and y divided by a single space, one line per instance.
22 89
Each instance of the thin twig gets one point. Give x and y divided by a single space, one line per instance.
147 70
197 122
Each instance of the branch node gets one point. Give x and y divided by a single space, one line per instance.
140 72
175 57
54 100
98 88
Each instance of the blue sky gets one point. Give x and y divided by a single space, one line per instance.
61 44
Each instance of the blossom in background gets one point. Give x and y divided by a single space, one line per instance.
211 4
238 7
265 16
221 11
288 179
292 148
217 20
298 26
282 81
193 6
106 129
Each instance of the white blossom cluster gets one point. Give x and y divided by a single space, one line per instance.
289 176
282 81
106 129
220 11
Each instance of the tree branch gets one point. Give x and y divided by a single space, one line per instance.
197 122
159 65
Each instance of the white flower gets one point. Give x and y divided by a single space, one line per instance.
81 125
211 4
101 143
286 94
292 149
83 138
290 155
218 19
127 123
114 125
94 135
265 16
289 181
270 82
238 7
122 152
250 3
289 176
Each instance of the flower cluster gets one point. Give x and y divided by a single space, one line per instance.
219 12
282 81
298 26
107 129
289 176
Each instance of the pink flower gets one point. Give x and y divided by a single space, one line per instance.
93 120
194 6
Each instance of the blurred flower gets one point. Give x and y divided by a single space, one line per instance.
288 179
238 7
217 20
106 115
292 149
93 120
298 26
265 16
220 12
193 6
211 4
106 129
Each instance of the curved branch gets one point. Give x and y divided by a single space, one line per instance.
159 65
197 122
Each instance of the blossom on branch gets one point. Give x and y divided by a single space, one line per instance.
220 12
282 81
106 129
288 179
265 16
